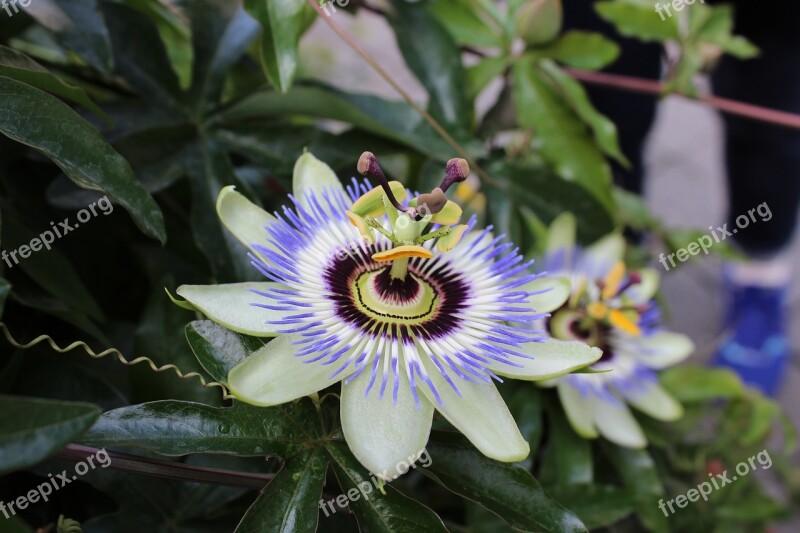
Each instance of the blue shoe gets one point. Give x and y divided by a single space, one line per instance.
758 349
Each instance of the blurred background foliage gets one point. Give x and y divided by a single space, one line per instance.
159 104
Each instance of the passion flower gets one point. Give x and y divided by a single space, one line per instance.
612 308
412 311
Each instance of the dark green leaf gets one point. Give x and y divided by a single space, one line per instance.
484 72
582 49
435 59
597 505
31 429
290 502
178 428
46 124
560 135
640 478
282 22
376 512
78 25
568 457
505 489
5 288
20 67
59 309
466 24
221 31
526 406
219 349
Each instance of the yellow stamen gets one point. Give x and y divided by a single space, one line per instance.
597 310
619 320
448 242
613 281
401 252
361 224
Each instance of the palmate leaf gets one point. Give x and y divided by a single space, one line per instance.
290 502
559 133
41 121
31 429
505 489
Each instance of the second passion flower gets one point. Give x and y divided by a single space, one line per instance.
409 309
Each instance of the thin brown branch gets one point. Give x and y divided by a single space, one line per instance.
731 107
169 470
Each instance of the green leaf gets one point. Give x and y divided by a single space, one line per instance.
392 512
31 429
693 383
78 25
219 349
484 72
639 20
290 501
596 505
282 22
20 67
50 269
465 24
209 170
435 59
582 49
36 119
640 477
568 457
560 135
5 288
171 427
221 31
717 28
526 406
396 121
605 131
142 59
505 489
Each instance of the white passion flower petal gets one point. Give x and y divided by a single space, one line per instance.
662 349
646 289
616 423
549 359
274 374
604 253
245 220
232 306
311 177
577 410
552 293
380 433
656 402
481 414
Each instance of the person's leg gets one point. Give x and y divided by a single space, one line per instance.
763 174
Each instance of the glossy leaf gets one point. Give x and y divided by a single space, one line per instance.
582 49
239 430
692 383
219 349
16 65
78 25
505 489
596 505
392 512
466 24
290 502
282 23
639 20
433 56
31 429
560 135
36 119
568 456
640 477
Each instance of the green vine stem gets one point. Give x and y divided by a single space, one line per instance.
112 351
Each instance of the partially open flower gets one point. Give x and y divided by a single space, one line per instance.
613 309
359 293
